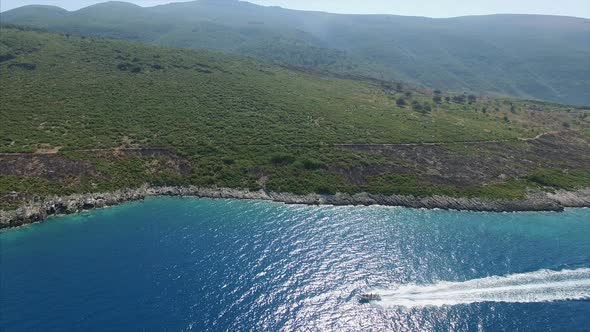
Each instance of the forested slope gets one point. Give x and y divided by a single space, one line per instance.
529 56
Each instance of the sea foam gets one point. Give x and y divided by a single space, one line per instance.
538 286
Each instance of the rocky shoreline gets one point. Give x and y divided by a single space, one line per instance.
39 210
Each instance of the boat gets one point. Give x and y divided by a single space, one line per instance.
370 297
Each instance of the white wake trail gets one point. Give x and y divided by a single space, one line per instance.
538 286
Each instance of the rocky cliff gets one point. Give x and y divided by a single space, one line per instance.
39 210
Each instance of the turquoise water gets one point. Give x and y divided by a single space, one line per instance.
200 264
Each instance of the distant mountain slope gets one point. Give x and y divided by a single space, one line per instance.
530 56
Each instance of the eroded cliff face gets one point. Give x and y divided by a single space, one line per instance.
39 210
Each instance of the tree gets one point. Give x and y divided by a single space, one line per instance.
512 109
472 99
448 99
437 92
460 99
416 106
400 102
437 99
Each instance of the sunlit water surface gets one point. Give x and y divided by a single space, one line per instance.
201 264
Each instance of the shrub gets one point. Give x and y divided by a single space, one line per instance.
6 57
312 165
25 66
560 179
416 106
325 190
282 159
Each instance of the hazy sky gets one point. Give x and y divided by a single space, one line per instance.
431 8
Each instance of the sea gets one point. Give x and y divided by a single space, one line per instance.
190 264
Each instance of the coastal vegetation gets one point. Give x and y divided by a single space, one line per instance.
87 114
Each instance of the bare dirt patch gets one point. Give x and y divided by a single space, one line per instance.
475 164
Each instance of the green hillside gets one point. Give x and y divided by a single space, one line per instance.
535 57
228 121
93 93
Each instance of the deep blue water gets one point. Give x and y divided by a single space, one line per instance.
199 264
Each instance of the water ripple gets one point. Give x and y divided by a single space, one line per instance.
200 264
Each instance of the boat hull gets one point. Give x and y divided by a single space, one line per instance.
367 297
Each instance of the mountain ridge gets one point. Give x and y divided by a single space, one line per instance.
300 10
